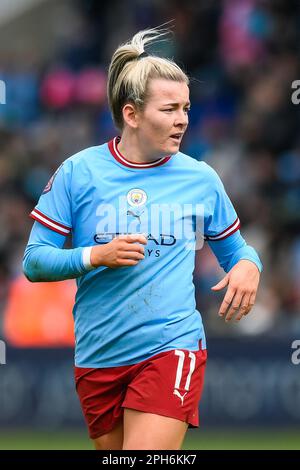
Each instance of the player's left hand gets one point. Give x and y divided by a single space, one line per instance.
242 281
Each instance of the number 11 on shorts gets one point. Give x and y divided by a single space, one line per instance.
181 359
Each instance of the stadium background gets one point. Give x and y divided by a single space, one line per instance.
243 56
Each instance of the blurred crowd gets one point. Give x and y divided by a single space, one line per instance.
242 57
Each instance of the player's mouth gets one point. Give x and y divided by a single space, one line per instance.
177 137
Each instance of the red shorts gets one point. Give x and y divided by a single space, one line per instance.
168 384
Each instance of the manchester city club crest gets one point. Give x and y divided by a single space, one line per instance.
136 197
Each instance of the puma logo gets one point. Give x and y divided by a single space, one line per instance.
134 215
180 396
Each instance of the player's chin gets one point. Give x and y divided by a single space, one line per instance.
173 147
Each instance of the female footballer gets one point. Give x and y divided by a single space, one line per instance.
137 209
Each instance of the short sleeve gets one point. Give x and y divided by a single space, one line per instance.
220 219
54 206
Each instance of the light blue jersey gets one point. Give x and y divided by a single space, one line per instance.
126 315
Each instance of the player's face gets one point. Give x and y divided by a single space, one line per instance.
164 118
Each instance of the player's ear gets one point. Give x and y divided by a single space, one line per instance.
130 115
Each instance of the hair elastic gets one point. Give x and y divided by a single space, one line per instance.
143 54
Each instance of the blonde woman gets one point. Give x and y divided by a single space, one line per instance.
134 206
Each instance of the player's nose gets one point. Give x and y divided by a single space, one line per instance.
181 119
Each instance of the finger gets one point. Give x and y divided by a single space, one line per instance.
252 299
235 305
135 238
132 255
133 247
223 283
251 302
127 262
244 308
227 301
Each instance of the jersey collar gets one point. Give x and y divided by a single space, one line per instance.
113 147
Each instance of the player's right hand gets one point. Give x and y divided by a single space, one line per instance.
124 250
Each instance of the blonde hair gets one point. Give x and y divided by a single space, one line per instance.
129 74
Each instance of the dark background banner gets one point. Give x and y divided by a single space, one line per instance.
248 382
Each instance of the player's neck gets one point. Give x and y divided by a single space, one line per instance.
131 149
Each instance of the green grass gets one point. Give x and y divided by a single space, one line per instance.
44 440
266 439
205 439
